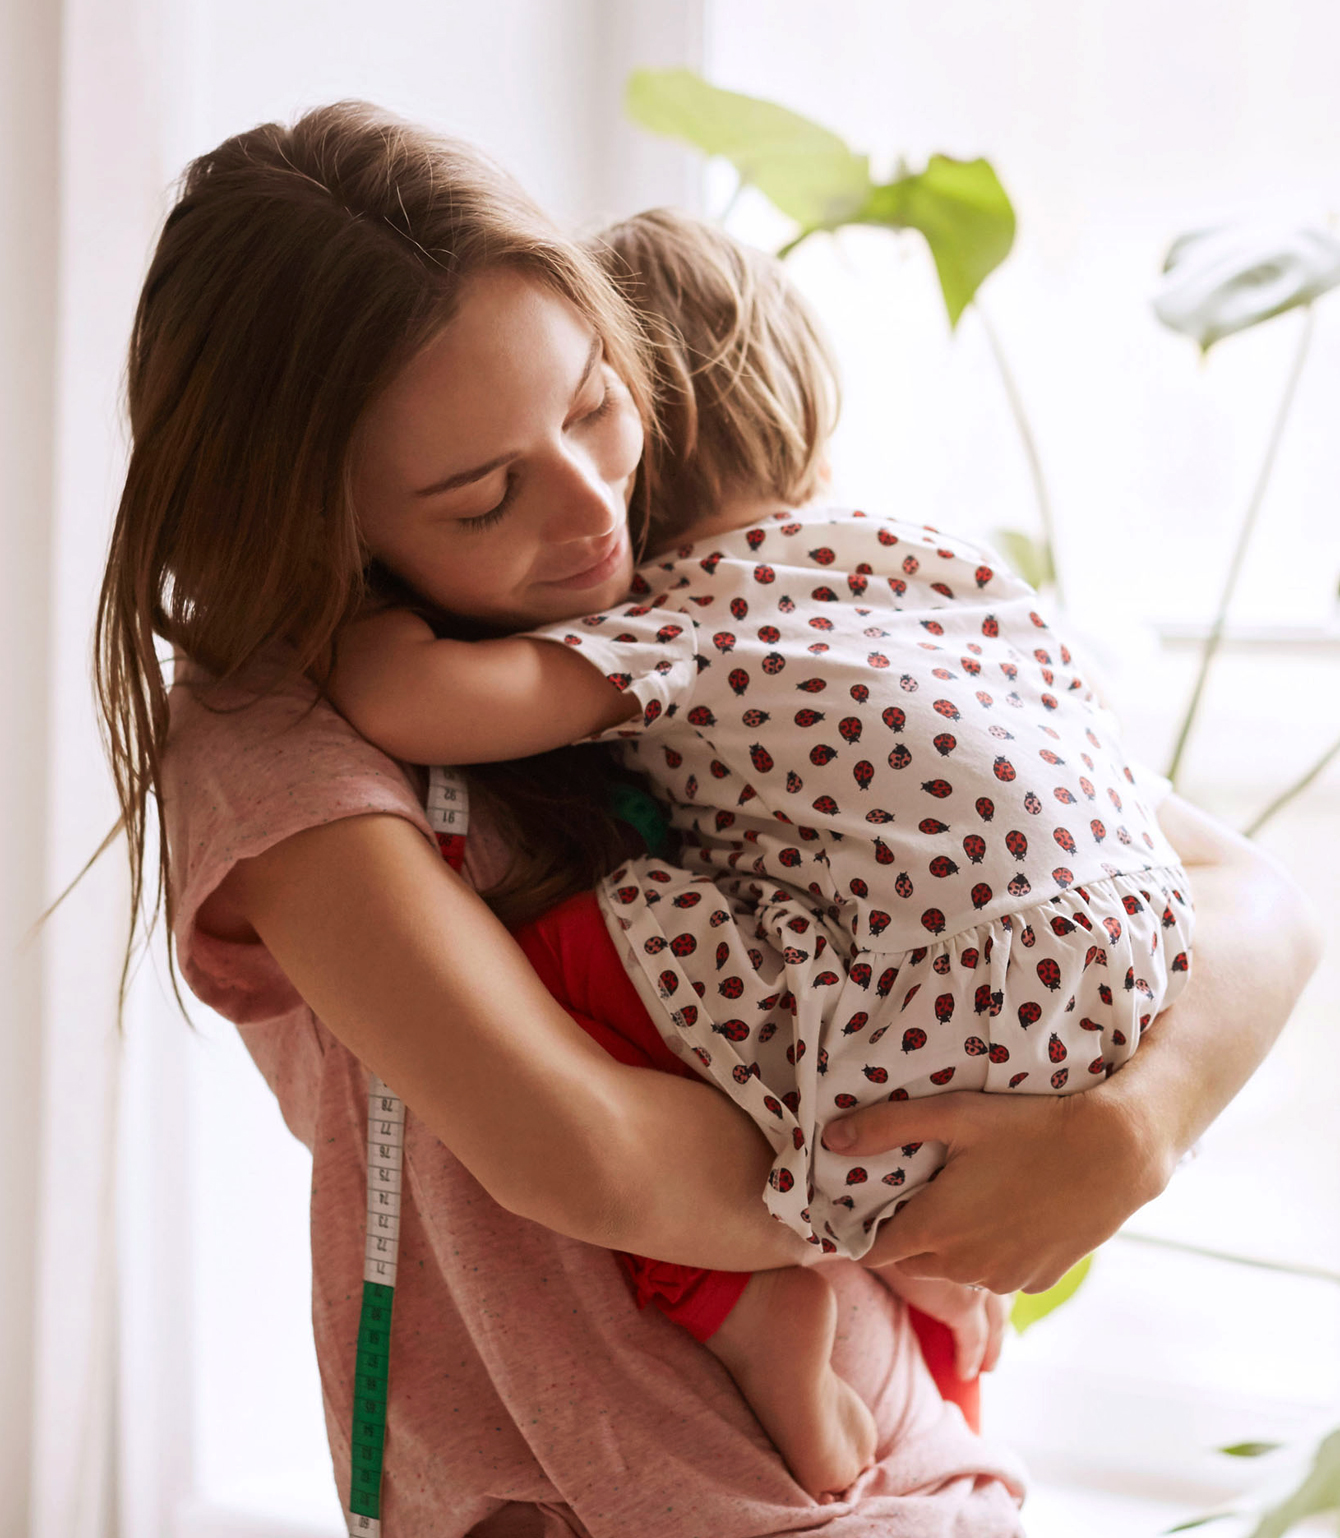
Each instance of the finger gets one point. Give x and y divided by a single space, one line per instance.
971 1337
891 1123
998 1316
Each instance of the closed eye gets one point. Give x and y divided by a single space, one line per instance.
495 513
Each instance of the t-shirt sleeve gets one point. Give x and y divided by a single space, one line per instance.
238 780
650 653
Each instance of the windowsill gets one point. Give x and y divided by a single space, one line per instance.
1178 636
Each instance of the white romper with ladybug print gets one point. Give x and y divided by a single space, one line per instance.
914 857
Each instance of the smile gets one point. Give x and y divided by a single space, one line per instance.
603 568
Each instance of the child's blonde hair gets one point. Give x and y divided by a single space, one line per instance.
746 383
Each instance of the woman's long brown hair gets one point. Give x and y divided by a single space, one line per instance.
301 267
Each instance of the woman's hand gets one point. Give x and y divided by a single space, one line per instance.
975 1316
1033 1184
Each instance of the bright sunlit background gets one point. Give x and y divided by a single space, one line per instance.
143 1387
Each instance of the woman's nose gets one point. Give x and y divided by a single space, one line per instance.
583 504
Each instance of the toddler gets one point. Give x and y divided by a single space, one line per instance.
914 857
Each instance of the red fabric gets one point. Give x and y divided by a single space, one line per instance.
576 960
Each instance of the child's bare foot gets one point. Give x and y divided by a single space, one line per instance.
777 1343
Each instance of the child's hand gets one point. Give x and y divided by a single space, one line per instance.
976 1317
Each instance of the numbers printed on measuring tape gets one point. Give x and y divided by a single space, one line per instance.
448 814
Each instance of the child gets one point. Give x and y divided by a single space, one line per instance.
915 858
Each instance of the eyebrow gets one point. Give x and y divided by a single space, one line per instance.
469 477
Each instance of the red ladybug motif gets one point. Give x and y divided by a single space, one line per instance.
822 754
903 883
894 1178
1113 928
825 979
718 769
886 537
731 988
1049 973
738 679
790 857
724 820
858 888
683 945
980 895
779 1180
724 641
932 825
738 608
813 685
856 1176
705 1058
751 718
943 866
849 729
844 1102
857 582
878 922
900 758
1063 876
732 1030
700 715
911 565
808 717
1048 757
795 1052
887 978
942 588
999 1053
760 758
1062 925
944 1008
1065 839
764 575
797 1136
1180 963
876 1075
1098 830
755 537
1030 1012
974 1046
823 556
908 684
858 1022
944 744
1099 1065
883 853
983 575
654 946
672 759
1017 1080
877 660
877 814
825 805
1132 905
740 1074
941 966
1019 886
969 957
1003 770
974 846
668 982
1056 1048
894 718
943 1076
652 712
1017 844
1063 796
897 586
990 626
793 957
794 783
824 595
863 772
933 920
947 709
938 788
775 1106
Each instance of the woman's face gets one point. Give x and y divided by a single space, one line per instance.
493 475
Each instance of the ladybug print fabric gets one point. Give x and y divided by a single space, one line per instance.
915 858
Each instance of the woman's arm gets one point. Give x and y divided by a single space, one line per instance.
429 701
412 973
1034 1184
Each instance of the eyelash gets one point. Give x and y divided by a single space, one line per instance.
488 519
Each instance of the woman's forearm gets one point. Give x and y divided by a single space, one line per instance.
1256 944
414 975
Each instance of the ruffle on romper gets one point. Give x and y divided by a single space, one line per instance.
799 1029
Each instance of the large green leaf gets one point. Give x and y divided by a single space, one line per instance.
1319 1492
965 215
806 169
1029 1307
1031 557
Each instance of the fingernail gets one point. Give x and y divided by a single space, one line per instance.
839 1135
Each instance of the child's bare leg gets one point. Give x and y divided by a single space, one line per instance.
777 1343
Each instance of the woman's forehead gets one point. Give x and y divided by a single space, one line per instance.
513 353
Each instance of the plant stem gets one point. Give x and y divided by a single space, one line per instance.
1312 1273
1296 789
1216 634
1030 449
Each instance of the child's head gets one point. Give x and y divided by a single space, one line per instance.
746 384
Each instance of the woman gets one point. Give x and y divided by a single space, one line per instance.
314 283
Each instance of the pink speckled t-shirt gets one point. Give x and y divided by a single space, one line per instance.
529 1396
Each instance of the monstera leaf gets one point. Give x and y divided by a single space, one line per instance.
1029 1307
1318 1494
817 180
1216 282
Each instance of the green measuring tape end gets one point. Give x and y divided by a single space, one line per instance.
642 813
371 1373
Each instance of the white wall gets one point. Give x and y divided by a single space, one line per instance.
29 43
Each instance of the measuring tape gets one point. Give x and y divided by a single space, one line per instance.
448 812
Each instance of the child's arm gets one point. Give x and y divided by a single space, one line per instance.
429 701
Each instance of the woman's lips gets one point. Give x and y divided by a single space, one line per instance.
604 567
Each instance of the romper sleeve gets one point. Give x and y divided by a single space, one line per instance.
242 773
647 651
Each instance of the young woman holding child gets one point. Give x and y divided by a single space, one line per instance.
355 341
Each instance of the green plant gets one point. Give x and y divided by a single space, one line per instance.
1317 1495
